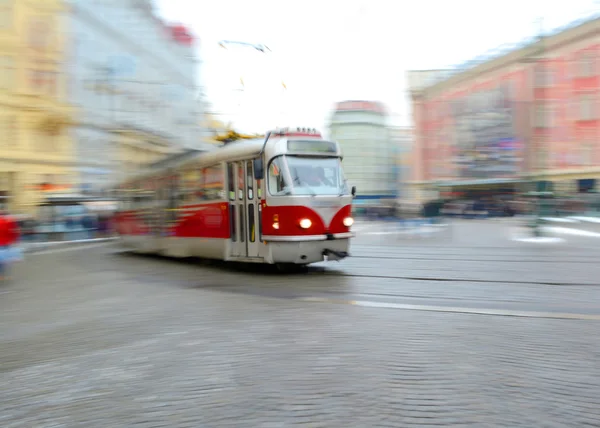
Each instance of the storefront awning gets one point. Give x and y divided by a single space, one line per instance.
484 182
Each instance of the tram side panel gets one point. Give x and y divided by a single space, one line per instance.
131 229
202 231
199 225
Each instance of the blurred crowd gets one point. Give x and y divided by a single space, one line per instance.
67 228
488 207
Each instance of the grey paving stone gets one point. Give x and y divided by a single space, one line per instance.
87 340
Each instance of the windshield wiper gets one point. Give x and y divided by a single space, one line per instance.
299 183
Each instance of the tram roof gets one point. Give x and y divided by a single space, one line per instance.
175 158
238 149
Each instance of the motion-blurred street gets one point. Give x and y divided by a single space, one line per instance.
468 326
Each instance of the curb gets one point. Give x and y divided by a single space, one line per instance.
41 246
575 223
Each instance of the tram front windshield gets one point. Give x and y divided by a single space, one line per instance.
297 175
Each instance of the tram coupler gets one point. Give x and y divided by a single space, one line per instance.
335 255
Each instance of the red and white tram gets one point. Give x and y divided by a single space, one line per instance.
281 200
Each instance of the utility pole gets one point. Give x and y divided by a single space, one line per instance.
541 147
262 49
536 149
112 118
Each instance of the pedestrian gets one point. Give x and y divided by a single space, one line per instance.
9 236
90 225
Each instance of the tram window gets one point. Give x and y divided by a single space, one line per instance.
231 181
242 229
213 183
276 178
173 202
190 186
251 225
240 181
232 222
199 188
259 188
249 180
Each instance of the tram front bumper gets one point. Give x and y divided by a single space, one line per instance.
335 255
305 252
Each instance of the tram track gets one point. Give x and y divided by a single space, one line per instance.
320 271
590 260
465 280
465 304
439 293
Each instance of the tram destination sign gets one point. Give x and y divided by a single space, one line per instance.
311 146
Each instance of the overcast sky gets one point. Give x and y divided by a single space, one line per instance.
331 50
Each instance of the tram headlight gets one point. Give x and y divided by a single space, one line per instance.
348 221
276 222
305 223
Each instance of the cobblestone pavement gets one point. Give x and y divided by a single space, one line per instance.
92 338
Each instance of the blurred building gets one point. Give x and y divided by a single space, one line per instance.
134 80
522 115
369 156
402 144
35 114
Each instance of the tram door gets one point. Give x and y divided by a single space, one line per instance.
244 206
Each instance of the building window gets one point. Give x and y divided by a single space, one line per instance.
44 82
36 81
587 107
543 117
6 13
544 76
51 83
588 153
12 131
8 131
41 35
587 65
48 142
7 72
40 142
541 155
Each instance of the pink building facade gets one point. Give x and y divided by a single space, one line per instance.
533 112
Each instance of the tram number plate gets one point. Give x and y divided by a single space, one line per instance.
324 204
